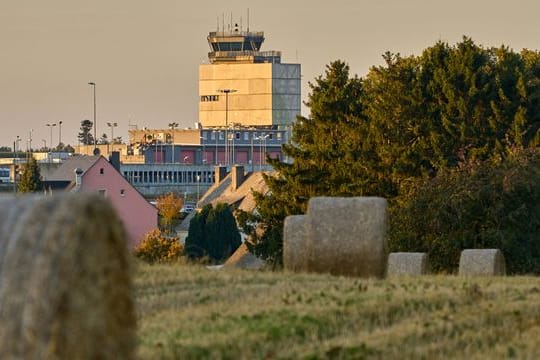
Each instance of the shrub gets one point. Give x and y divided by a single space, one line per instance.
156 247
490 204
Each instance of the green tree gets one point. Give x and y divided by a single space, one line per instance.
85 135
330 158
213 233
30 180
408 119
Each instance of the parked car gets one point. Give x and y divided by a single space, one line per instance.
187 208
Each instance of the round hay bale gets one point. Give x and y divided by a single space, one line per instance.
482 262
347 236
405 263
295 253
65 289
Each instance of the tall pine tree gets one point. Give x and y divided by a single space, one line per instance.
30 178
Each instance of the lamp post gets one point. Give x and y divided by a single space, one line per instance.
226 92
216 133
203 149
251 158
95 124
173 126
50 126
198 182
112 126
59 132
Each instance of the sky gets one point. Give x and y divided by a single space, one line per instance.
144 55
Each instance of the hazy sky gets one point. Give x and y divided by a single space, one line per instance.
143 55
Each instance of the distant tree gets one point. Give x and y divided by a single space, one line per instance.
103 139
5 149
168 208
117 140
85 135
213 233
30 180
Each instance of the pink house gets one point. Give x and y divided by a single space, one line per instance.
97 174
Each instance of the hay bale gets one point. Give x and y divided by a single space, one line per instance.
65 290
294 243
347 236
482 262
407 263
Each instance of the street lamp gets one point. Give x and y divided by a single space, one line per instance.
216 133
226 92
112 126
95 124
44 143
203 149
59 132
173 126
50 138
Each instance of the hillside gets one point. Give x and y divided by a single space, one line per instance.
190 312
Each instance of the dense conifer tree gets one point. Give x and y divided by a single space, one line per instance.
213 233
30 178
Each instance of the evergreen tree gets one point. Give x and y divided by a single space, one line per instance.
407 119
85 135
30 178
213 233
330 158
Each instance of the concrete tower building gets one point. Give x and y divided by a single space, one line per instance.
244 86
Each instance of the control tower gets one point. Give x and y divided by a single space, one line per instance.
245 86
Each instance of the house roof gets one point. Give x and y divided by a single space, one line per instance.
66 172
242 197
243 259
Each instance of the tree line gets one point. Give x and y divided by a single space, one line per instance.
411 119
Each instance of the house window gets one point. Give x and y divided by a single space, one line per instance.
101 171
246 136
102 192
122 192
237 136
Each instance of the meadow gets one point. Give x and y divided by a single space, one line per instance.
190 312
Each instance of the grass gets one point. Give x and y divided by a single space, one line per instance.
190 312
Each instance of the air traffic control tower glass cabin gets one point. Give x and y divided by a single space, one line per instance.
245 86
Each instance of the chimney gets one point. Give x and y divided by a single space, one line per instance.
221 172
114 159
237 176
78 177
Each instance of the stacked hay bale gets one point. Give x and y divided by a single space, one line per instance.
65 289
341 236
405 263
482 262
294 243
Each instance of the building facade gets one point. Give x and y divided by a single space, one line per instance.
245 86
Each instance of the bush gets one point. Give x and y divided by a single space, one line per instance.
156 247
490 204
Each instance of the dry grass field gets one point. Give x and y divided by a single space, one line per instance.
190 312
